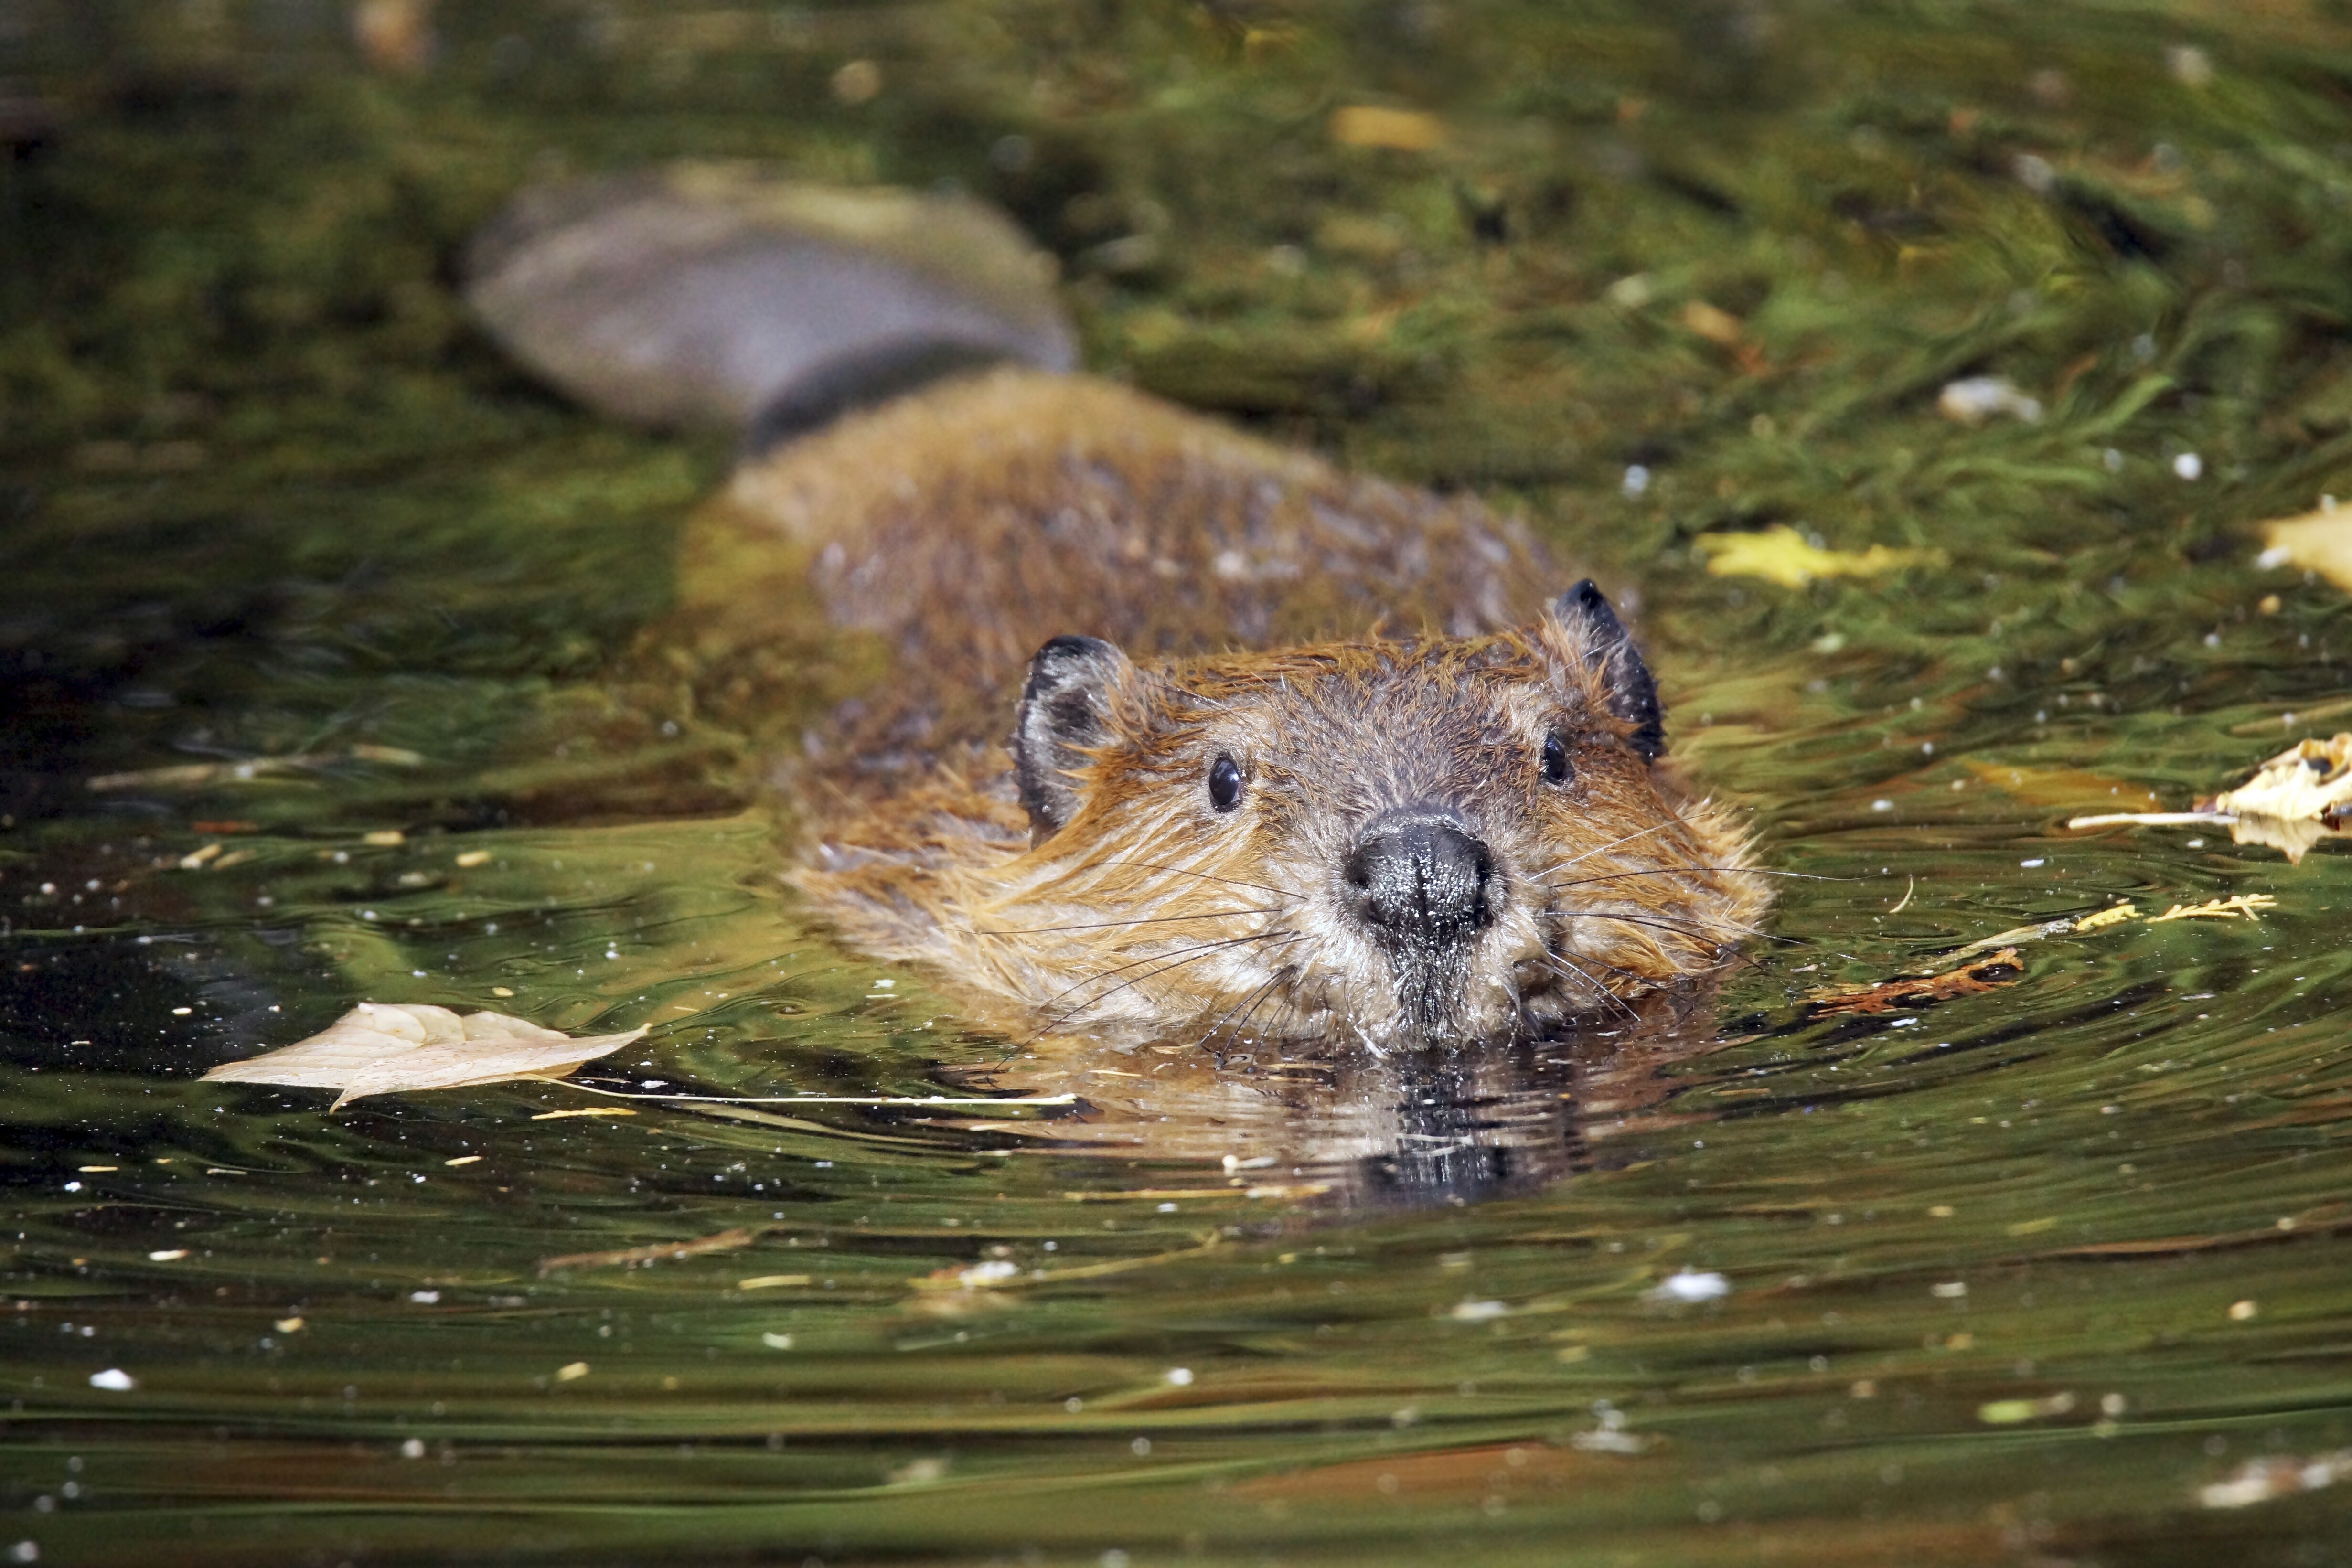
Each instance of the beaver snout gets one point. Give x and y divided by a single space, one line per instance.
1417 875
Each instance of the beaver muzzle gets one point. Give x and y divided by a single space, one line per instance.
1420 880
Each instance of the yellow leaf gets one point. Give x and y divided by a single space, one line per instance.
387 1047
2059 785
1713 323
2318 541
1401 130
1782 555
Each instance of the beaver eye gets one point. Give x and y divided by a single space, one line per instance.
1225 784
1556 770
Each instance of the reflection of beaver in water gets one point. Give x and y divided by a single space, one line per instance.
1311 757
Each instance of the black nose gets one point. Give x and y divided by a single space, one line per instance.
1419 875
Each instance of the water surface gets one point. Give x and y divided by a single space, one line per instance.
2013 1276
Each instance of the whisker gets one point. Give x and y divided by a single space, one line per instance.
1204 876
1629 837
1689 870
1214 1028
1564 967
1691 931
1154 958
1113 925
1196 956
1286 972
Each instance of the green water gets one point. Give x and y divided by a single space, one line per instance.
2011 1277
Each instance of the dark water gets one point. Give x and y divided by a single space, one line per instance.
2013 1276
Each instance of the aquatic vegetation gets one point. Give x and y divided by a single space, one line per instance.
370 644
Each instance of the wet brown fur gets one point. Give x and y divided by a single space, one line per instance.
1352 645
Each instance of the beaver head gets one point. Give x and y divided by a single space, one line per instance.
1414 840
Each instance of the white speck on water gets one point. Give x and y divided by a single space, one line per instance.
1882 805
2189 465
1478 1311
1692 1285
425 1297
2034 864
114 1380
1975 399
1636 482
1181 1376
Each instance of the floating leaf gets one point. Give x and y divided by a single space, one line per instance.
2076 787
1401 130
2296 799
1980 975
385 1048
1782 555
2311 781
2318 541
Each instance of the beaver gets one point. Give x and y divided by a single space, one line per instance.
1167 732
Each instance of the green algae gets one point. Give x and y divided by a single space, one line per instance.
2010 1278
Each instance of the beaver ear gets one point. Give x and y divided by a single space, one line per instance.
1064 710
1593 628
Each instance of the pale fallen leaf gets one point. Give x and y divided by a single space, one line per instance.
2292 801
2310 780
1401 130
386 1048
1782 555
2318 541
